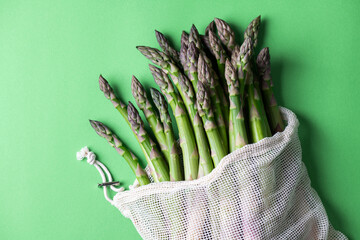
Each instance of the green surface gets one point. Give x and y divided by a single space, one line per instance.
52 53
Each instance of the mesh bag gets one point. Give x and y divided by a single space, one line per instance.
261 191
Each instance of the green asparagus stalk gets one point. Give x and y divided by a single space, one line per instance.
174 162
237 130
257 123
226 34
236 62
187 138
205 76
166 46
203 103
121 107
183 51
205 161
168 66
130 158
207 50
144 104
192 62
160 167
221 91
272 109
109 94
161 59
220 54
252 31
201 43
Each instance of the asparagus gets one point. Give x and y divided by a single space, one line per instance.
202 48
226 34
252 31
205 76
187 138
130 158
176 173
206 44
203 103
121 107
174 161
194 36
160 169
144 104
221 91
166 47
210 28
205 161
275 120
220 54
109 94
159 58
237 130
183 51
257 123
192 62
236 62
184 38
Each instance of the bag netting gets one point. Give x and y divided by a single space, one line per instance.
261 191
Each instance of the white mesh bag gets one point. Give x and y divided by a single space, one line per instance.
261 191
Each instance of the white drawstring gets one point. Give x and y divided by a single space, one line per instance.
91 159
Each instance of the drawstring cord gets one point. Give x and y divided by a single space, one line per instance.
102 169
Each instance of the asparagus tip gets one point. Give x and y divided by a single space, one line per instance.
263 61
246 50
105 86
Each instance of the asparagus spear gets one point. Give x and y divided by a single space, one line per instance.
220 54
226 34
109 94
121 107
206 44
207 78
271 107
174 161
192 61
144 104
187 138
222 92
166 47
130 158
160 167
252 31
159 58
184 38
257 123
210 28
183 51
237 130
203 103
194 36
206 164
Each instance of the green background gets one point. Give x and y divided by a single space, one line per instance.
52 53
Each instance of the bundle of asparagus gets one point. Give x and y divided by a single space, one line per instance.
220 94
